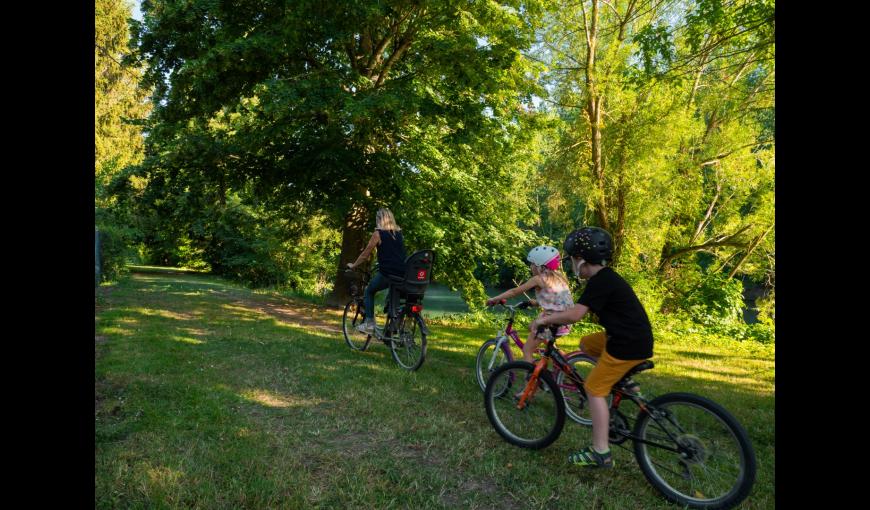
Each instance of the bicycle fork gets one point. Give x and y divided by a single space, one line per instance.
495 352
532 383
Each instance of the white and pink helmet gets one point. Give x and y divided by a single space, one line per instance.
544 256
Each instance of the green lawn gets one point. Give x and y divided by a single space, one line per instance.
209 395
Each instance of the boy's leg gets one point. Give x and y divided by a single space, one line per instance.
600 423
603 376
593 344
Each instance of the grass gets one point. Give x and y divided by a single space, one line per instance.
209 395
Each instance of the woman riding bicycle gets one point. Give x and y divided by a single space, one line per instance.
626 342
387 237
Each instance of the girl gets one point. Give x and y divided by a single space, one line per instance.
551 292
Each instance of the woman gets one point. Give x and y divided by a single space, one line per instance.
391 261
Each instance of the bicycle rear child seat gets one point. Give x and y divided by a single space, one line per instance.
418 275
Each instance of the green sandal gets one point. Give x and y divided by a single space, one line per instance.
589 458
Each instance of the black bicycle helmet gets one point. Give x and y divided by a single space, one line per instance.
592 244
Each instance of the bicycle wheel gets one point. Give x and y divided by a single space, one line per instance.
489 358
408 346
354 315
540 422
576 403
715 466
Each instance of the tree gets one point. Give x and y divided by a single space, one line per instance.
347 106
667 139
118 101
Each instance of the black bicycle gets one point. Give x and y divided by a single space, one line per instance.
689 448
404 330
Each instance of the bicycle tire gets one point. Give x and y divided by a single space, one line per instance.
540 422
354 315
723 450
484 360
408 351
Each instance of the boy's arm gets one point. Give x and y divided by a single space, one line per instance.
569 316
367 251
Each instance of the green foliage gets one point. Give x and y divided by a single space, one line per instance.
114 243
118 101
418 107
310 260
237 246
716 299
648 288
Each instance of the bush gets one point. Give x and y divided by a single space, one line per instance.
716 302
113 252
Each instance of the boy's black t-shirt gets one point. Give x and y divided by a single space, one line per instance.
612 299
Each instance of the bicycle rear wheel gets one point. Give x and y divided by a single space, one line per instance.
540 422
489 358
715 466
408 346
354 315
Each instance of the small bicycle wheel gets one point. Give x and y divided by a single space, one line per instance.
490 358
539 422
408 345
576 402
715 465
354 315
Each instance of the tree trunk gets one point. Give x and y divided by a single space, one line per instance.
619 233
354 237
594 104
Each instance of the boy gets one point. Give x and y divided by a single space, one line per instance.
626 342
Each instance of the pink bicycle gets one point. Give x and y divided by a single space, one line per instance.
496 352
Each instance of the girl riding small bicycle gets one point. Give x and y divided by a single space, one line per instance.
551 292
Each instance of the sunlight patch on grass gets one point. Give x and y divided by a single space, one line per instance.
247 313
166 314
270 399
109 330
163 476
187 340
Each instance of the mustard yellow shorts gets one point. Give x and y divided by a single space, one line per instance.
608 370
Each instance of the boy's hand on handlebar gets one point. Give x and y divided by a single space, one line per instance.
535 326
492 302
350 266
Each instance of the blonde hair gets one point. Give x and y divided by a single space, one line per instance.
552 278
384 220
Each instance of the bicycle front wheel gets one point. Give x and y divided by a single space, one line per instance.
489 357
537 424
408 347
354 315
715 466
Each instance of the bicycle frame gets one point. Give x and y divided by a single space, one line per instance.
502 337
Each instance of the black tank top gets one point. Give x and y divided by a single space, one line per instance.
391 253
